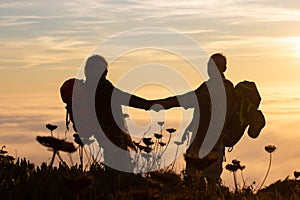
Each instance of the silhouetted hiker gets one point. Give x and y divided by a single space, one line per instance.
216 67
108 101
242 103
100 104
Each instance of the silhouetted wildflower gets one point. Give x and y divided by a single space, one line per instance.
56 144
158 136
238 164
51 127
161 123
148 141
242 167
147 149
232 167
162 144
235 162
296 174
270 148
178 143
170 130
2 151
140 147
136 143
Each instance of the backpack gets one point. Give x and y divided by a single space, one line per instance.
244 113
66 93
122 139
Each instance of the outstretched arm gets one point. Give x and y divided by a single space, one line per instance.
131 100
167 103
187 100
119 97
138 102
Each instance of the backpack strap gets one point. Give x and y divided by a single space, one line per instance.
67 119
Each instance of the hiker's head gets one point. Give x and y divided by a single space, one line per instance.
217 63
95 67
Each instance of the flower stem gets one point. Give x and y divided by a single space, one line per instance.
173 163
166 145
235 182
244 182
53 157
270 162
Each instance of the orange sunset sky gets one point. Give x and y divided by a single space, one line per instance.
44 43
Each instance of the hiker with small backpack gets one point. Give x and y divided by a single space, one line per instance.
94 108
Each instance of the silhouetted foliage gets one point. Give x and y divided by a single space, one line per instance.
20 179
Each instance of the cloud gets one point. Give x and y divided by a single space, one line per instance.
19 20
30 122
290 4
29 115
6 4
42 52
155 11
83 22
92 13
16 138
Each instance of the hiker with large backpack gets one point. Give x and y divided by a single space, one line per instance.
233 127
241 115
244 114
95 109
